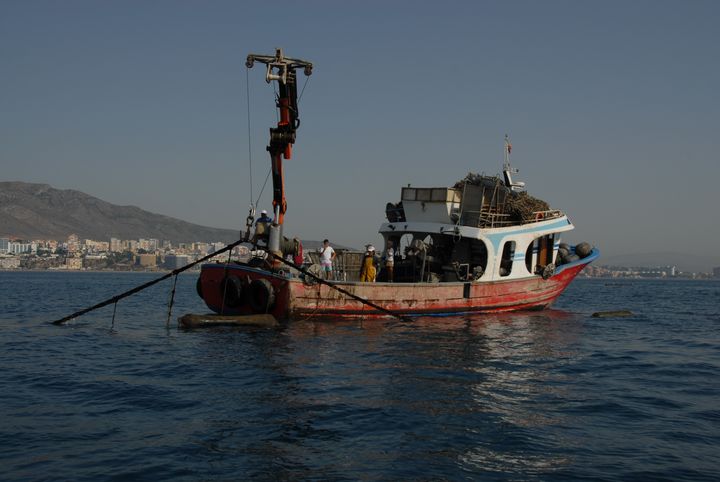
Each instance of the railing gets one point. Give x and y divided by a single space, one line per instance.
346 265
545 215
489 219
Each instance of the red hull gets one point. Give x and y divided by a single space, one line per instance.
296 300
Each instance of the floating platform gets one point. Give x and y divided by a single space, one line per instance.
207 321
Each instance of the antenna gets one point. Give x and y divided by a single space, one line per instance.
508 170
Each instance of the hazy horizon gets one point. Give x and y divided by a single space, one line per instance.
611 109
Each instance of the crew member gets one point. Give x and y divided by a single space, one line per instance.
389 261
368 271
327 255
264 218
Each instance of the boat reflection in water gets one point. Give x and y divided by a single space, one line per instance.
470 393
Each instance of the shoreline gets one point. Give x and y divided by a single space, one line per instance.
706 277
106 271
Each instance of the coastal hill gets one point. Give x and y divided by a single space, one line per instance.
39 211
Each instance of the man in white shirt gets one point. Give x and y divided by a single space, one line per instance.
327 255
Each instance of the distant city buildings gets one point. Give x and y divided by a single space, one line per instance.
73 263
146 260
75 253
93 247
10 263
20 247
148 245
116 245
593 271
175 261
73 244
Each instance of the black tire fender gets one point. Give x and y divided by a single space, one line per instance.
261 295
231 290
198 287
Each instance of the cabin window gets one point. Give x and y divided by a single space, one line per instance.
424 194
540 253
439 195
405 241
408 194
506 261
545 250
532 248
551 249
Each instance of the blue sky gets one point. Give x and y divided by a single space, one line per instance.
612 108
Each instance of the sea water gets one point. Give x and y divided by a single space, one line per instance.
553 395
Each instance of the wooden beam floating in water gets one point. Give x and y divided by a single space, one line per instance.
207 321
612 314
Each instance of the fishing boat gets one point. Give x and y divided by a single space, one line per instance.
481 245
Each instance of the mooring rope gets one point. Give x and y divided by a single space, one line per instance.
112 323
229 247
143 286
224 284
343 291
171 301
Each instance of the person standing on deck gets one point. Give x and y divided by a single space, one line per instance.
264 218
368 271
327 255
389 261
262 226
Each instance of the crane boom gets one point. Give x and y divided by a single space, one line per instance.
283 70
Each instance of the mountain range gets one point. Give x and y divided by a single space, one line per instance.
39 211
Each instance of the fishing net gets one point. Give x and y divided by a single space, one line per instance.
523 206
475 179
519 205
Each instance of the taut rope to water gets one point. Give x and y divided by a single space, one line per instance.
137 289
229 247
399 316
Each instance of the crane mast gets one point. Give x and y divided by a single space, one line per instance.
282 70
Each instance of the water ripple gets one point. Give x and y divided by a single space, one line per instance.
555 395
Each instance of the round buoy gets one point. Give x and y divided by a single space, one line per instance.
562 256
261 295
572 258
548 271
583 250
231 291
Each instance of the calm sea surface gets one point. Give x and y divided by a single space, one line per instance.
555 395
